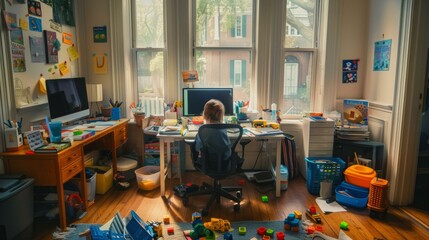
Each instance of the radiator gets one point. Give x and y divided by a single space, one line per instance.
153 106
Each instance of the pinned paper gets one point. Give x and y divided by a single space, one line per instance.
64 69
55 26
100 64
10 20
42 84
37 49
67 38
23 23
73 54
35 24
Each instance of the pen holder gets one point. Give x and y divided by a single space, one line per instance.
13 139
116 113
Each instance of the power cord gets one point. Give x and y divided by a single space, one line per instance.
259 153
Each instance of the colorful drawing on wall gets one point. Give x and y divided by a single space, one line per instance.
35 24
350 68
63 12
73 54
47 2
34 8
382 55
52 46
99 63
55 26
100 34
10 20
23 23
18 50
67 38
37 49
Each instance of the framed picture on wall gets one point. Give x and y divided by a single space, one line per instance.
51 46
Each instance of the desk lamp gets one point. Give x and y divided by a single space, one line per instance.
190 77
95 95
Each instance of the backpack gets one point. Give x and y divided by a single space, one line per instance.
289 155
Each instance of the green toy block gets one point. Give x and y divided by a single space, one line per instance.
265 198
344 225
242 230
270 232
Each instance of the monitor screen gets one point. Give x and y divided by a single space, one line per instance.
194 100
67 99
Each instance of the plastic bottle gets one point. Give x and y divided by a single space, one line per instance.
273 112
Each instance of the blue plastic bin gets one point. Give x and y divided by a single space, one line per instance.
351 195
323 168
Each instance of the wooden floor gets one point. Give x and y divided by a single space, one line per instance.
150 206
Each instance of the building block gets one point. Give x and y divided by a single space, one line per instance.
195 216
298 214
241 182
344 225
319 228
242 230
266 237
170 230
265 198
261 231
166 220
280 236
270 232
227 236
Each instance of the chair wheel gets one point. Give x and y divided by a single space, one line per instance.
238 194
236 207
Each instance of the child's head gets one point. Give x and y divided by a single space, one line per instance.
214 111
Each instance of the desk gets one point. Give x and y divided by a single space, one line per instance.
168 139
54 169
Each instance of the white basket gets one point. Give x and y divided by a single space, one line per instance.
147 177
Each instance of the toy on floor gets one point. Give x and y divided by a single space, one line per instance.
291 223
217 224
313 214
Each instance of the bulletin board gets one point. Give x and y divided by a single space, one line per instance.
43 46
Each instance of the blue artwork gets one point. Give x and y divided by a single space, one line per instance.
382 55
350 68
35 24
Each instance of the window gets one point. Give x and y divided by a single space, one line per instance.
299 53
148 46
224 59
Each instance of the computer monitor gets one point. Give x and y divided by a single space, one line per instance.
67 99
194 100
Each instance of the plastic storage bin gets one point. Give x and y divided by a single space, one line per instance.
351 195
91 180
16 208
323 168
148 177
359 175
104 179
126 167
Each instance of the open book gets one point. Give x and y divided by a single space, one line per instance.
265 131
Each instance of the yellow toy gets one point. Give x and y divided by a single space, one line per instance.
259 123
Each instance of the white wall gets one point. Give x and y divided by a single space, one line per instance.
383 24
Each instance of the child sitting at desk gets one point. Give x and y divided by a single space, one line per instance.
214 111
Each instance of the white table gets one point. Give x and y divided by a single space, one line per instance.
169 139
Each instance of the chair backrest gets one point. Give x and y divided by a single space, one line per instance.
218 158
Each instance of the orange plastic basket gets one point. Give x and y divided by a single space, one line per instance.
377 199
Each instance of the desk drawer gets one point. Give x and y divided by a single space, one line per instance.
71 157
120 135
71 170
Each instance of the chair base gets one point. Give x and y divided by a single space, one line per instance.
216 191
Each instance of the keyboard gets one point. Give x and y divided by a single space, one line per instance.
193 128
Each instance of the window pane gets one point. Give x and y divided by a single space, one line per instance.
150 73
300 23
297 82
221 68
224 23
149 24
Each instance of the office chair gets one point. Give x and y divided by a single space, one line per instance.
212 161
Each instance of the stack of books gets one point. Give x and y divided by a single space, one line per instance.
352 133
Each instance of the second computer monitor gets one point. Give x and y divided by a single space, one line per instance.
194 100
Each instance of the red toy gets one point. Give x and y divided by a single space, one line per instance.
261 231
170 230
280 236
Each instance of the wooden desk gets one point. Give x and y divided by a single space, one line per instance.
54 169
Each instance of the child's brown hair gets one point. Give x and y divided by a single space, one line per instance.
214 111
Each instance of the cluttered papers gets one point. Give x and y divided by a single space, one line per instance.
329 207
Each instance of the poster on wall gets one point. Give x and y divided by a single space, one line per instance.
51 46
100 34
37 49
350 68
63 12
34 8
18 50
10 20
99 63
35 24
382 55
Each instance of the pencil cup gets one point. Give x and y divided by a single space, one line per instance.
116 113
55 128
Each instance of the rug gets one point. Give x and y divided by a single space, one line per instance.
251 230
